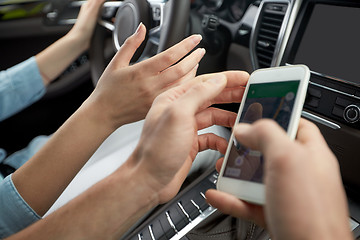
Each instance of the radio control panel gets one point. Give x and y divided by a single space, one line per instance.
334 99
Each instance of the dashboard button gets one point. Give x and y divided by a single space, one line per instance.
342 102
337 111
312 101
314 92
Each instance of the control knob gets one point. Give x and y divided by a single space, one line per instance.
352 113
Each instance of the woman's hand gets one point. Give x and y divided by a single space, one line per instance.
125 93
85 23
169 141
58 56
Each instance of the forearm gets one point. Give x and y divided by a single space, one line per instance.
57 57
20 86
106 210
44 177
53 60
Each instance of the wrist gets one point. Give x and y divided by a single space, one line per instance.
157 180
107 111
138 181
134 198
94 112
79 42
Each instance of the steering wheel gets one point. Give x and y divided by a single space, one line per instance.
165 20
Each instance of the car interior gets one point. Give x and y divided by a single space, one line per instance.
237 35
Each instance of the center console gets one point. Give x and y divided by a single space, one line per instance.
321 34
323 39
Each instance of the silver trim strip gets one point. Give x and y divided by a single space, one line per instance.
210 210
353 224
295 7
109 26
335 79
320 120
172 225
157 1
117 31
329 88
112 4
67 21
77 3
334 90
323 75
284 33
197 206
151 232
184 212
256 27
252 43
284 26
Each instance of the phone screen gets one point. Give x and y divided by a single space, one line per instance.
273 100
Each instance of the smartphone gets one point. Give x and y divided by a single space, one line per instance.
274 93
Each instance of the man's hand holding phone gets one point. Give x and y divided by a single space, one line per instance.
305 198
273 93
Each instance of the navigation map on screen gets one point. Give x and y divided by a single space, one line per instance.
264 100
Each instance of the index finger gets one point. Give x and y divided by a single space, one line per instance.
171 56
234 78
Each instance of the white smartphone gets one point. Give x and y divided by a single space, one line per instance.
275 93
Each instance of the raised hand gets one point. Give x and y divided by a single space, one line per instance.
127 92
169 142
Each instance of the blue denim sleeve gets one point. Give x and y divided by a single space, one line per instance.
15 213
20 86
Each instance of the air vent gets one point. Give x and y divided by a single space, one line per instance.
269 24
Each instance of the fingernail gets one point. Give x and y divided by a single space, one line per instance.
196 38
202 51
138 28
217 79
